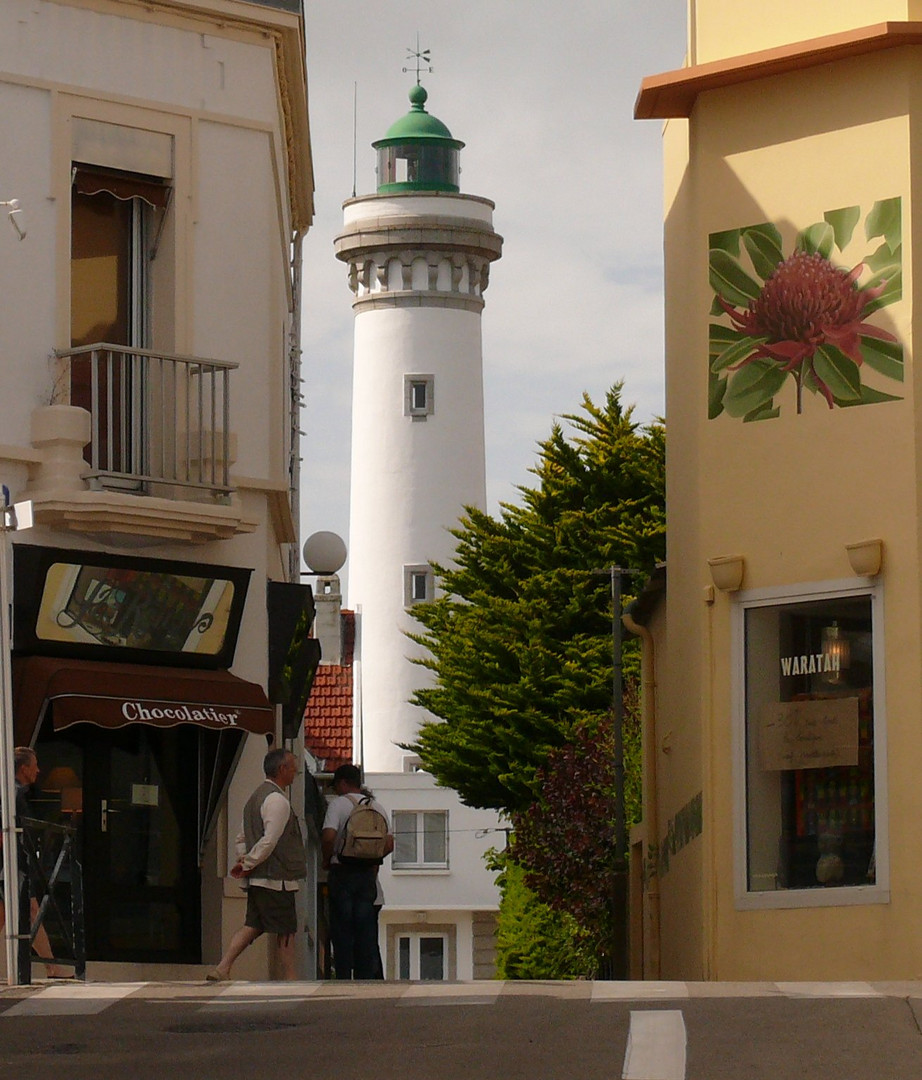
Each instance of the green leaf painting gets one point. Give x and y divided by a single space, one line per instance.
763 242
843 224
817 239
885 219
795 315
730 280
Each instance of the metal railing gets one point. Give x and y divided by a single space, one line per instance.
53 873
157 419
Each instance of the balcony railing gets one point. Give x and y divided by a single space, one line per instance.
156 419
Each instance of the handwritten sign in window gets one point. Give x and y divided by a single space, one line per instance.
809 734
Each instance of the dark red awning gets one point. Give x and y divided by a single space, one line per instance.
93 182
114 695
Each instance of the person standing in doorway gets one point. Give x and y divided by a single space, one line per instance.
352 884
271 861
27 773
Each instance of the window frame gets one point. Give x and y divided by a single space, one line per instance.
879 892
420 865
411 573
415 937
410 382
395 931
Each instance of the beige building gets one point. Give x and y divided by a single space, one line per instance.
783 723
149 326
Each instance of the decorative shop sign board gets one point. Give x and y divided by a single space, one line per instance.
809 734
97 606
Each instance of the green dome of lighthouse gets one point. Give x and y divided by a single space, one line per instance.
418 152
417 124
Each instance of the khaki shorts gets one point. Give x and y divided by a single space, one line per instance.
271 911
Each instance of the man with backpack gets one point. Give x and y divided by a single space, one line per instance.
355 839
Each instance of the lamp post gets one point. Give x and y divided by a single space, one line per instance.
619 878
13 517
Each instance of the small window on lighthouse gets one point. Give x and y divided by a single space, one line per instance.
418 396
418 584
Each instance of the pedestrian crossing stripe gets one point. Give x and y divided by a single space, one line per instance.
656 1044
76 998
73 999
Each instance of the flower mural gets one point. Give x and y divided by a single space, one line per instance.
801 318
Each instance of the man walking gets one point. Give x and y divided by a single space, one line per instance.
270 856
352 884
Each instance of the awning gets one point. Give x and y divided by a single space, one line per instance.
93 182
114 695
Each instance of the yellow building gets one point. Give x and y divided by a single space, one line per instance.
783 708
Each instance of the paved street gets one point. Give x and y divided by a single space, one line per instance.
475 1031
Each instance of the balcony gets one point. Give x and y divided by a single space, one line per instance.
155 419
136 447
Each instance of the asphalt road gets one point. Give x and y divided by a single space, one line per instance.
474 1031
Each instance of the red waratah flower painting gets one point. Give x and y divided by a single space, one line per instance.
801 319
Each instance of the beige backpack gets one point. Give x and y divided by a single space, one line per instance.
365 836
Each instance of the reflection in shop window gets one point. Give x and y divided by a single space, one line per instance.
810 800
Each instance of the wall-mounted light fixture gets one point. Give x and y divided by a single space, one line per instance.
727 571
866 557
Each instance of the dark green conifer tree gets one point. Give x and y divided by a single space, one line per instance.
520 642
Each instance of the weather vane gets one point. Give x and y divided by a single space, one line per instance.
422 57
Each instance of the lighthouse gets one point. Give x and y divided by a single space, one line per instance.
418 253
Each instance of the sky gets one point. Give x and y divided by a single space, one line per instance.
542 94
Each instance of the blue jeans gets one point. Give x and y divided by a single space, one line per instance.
353 926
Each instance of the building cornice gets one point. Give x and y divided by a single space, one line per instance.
674 93
286 31
421 234
417 299
138 522
460 196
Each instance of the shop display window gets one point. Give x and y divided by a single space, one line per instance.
810 793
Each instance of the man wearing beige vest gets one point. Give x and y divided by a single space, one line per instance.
271 860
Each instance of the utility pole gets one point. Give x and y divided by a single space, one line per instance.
619 953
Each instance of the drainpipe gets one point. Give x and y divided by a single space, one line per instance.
650 792
296 399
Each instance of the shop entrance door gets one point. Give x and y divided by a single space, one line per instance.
141 877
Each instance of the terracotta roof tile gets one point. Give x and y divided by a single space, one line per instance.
328 716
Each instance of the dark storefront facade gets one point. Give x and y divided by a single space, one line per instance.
121 684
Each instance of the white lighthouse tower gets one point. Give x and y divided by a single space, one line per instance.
419 255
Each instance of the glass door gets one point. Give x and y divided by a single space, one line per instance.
422 956
109 305
142 886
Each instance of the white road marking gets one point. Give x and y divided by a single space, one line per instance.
76 999
639 991
237 995
655 1046
270 989
436 993
828 990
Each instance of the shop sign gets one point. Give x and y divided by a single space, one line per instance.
811 664
93 605
152 713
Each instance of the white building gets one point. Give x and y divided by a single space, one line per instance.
149 354
419 255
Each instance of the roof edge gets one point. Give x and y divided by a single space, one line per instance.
674 93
